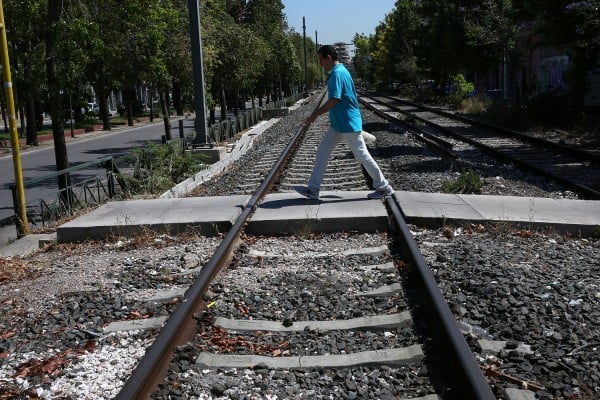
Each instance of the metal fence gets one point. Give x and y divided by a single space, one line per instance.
91 190
226 129
95 190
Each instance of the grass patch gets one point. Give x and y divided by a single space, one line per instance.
475 105
467 182
157 168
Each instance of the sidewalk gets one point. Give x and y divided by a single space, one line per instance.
46 143
286 212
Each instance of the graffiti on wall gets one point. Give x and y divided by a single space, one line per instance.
550 74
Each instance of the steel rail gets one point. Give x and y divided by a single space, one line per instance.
523 164
144 379
438 144
561 148
474 385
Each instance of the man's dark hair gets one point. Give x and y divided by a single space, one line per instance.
328 50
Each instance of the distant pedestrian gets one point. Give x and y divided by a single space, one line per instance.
345 123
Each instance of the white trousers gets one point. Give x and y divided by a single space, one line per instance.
361 154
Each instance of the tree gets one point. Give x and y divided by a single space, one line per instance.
177 56
295 68
25 22
103 32
363 61
234 54
490 29
442 40
137 47
53 19
394 45
266 19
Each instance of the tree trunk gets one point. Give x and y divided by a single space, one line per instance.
151 104
102 94
223 103
177 97
22 119
165 113
55 104
31 131
236 104
3 106
129 97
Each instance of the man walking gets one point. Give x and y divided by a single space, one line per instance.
345 123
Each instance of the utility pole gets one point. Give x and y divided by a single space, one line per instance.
200 125
305 62
317 58
23 226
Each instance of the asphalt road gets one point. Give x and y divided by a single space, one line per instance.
38 162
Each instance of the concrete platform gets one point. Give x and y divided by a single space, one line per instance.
205 215
287 213
27 244
435 209
280 213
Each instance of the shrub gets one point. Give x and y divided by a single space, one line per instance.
461 89
475 105
159 167
467 182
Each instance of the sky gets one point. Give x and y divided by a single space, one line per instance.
336 20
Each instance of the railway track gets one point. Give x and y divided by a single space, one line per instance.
576 169
255 307
504 286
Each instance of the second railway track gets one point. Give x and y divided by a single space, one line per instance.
574 168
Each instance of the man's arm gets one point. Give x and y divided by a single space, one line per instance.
321 110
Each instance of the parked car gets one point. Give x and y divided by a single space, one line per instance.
94 108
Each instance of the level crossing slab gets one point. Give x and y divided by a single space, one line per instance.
290 213
564 215
335 211
205 215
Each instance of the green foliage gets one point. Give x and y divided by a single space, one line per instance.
461 86
394 45
160 167
114 45
363 62
461 89
467 182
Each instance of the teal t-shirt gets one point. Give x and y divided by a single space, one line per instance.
345 115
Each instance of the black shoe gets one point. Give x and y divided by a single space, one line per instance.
306 192
381 193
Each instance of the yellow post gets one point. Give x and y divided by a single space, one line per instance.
23 226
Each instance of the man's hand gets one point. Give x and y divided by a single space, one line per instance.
326 107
